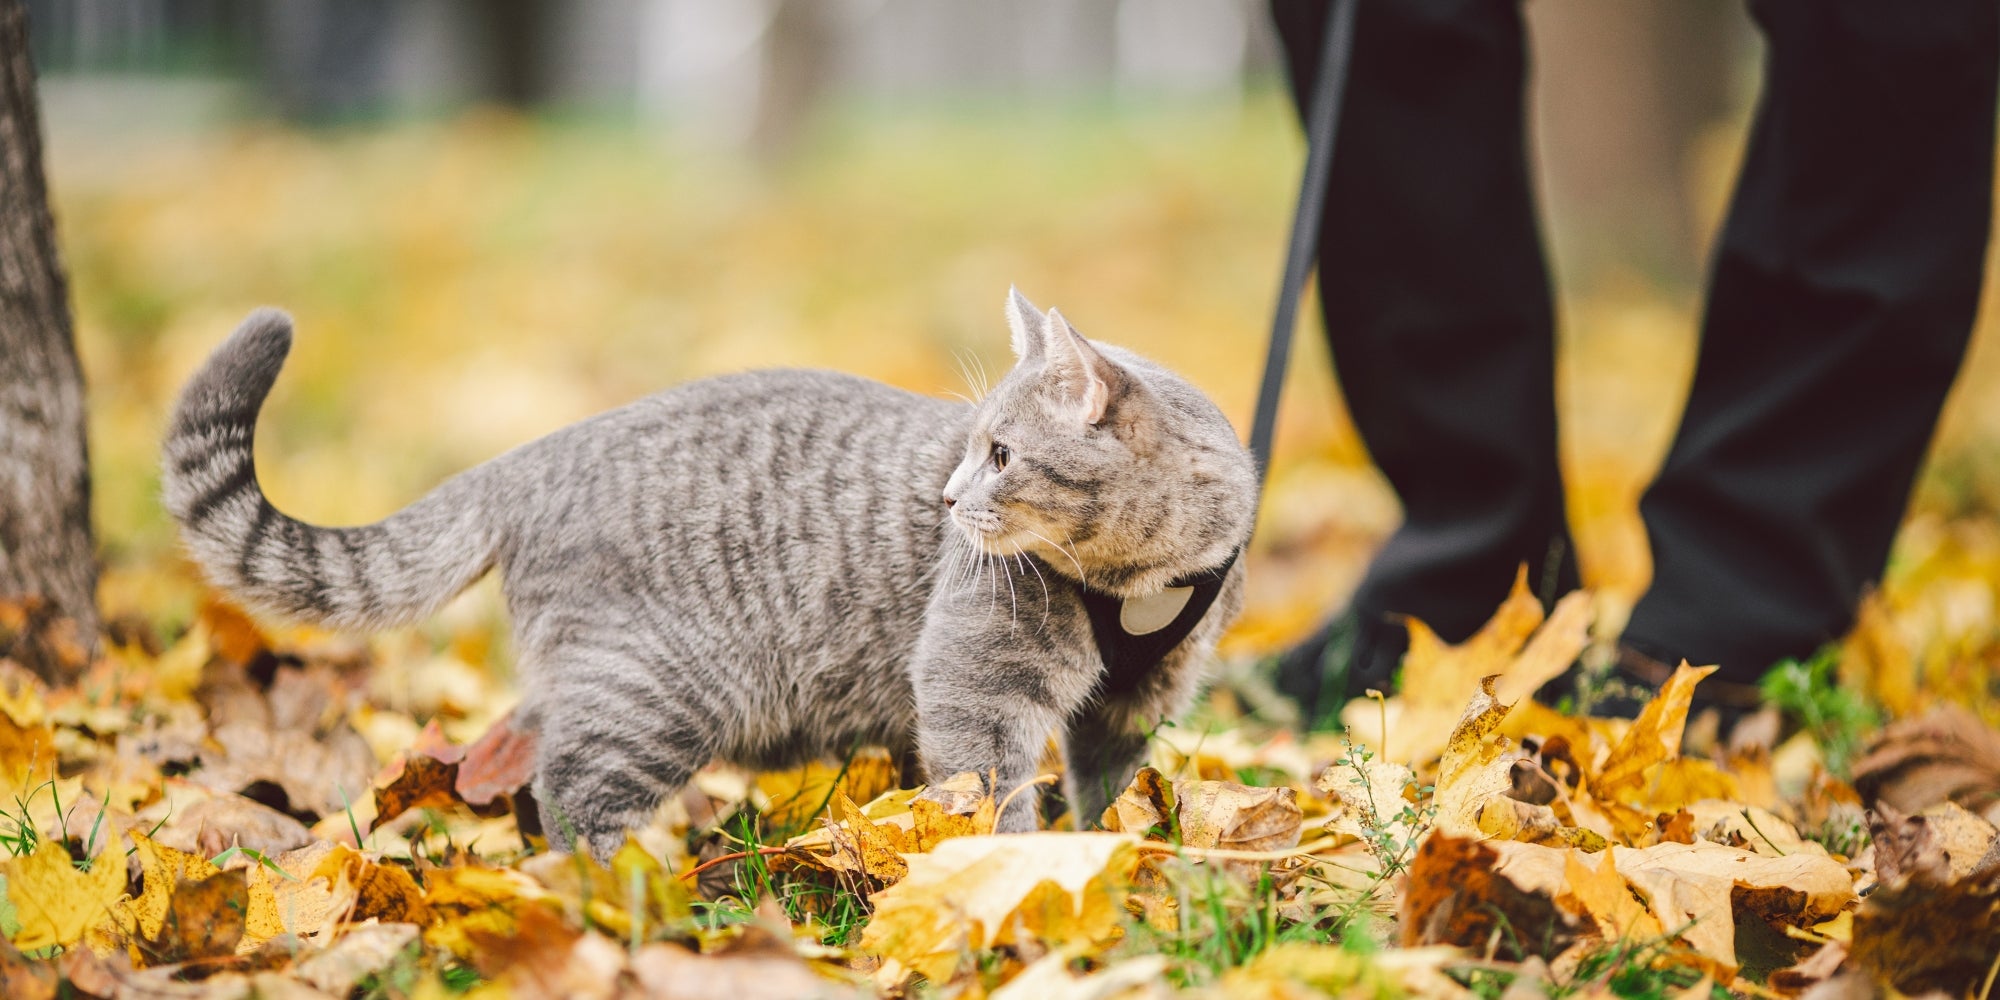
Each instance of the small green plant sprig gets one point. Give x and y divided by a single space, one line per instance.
1837 718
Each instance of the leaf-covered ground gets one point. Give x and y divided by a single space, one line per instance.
229 808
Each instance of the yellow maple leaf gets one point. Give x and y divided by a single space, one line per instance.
56 903
1516 646
972 893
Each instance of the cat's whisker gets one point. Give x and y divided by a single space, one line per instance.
1081 576
1014 602
1020 556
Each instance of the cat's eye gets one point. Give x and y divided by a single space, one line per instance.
999 456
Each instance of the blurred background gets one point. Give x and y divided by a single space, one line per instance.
494 217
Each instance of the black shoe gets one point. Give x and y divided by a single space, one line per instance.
1313 672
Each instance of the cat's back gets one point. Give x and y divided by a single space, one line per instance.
784 516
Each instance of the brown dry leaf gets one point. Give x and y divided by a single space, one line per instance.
200 820
317 775
1145 807
1945 754
1944 841
204 919
1437 678
1928 933
360 953
1224 814
423 777
861 845
23 978
161 869
1459 893
758 965
56 904
537 957
971 893
497 765
1697 889
1733 824
364 889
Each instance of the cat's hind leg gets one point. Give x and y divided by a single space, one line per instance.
616 737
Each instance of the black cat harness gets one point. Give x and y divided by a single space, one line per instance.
1135 633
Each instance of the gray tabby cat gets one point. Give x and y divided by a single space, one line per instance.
777 566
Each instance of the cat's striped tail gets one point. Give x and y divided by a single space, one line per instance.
394 572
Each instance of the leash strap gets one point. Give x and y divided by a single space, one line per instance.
1322 124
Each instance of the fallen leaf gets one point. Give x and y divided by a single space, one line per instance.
971 893
499 764
1457 893
161 869
1230 816
1477 766
1145 807
57 904
363 951
1436 677
364 889
1696 890
292 900
764 969
23 978
1927 932
204 919
200 820
1049 978
1947 754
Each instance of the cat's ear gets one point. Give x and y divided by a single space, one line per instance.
1088 377
1025 322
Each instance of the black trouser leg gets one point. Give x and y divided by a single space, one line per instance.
1843 295
1437 309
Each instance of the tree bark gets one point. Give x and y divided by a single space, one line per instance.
48 570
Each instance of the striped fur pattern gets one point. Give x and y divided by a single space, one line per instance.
778 566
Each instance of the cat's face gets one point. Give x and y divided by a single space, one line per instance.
1104 465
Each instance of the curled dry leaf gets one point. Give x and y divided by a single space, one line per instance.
1145 807
200 820
1230 816
1437 677
1477 766
1947 754
1930 932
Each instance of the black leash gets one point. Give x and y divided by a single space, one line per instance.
1130 656
1322 124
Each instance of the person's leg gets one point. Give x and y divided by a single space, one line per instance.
1437 310
1843 294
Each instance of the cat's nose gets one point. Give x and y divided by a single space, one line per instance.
950 503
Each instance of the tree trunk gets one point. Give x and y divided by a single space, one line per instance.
48 571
